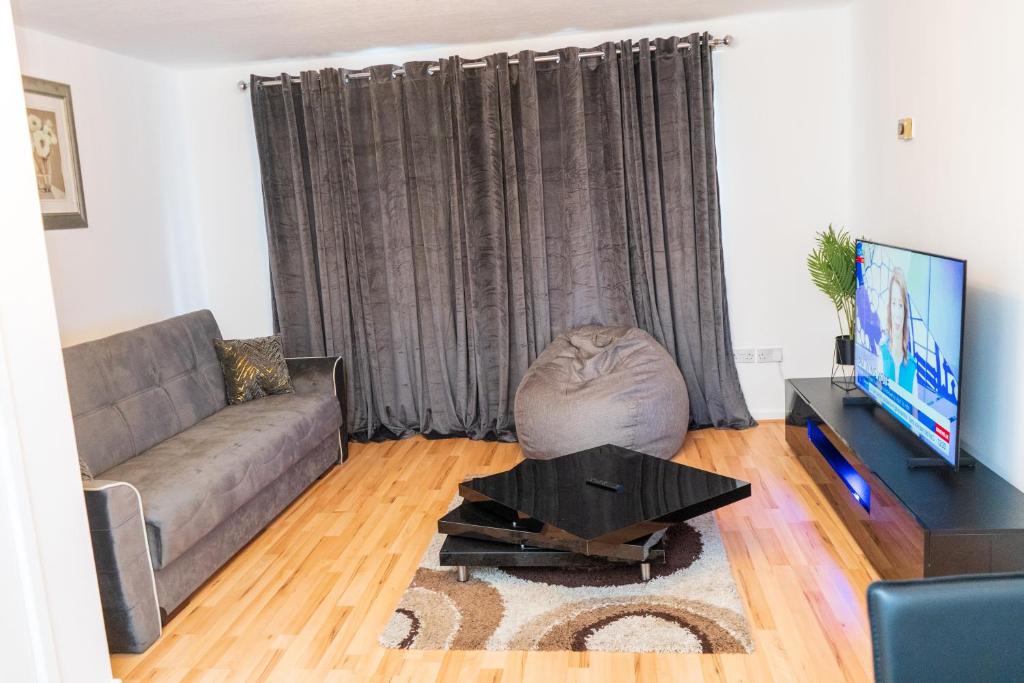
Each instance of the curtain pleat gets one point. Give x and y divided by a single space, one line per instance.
438 229
287 186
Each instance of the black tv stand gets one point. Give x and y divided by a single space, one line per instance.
910 521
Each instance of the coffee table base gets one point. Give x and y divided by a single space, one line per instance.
464 553
645 572
492 522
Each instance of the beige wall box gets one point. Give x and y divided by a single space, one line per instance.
905 129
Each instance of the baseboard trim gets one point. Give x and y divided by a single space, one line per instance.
768 414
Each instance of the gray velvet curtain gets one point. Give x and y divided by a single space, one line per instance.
439 229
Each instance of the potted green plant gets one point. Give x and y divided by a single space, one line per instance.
832 264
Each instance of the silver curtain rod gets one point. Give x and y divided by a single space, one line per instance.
715 42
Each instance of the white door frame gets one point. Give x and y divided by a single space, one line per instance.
51 623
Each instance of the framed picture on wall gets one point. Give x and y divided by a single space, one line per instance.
51 127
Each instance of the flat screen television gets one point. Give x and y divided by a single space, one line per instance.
909 335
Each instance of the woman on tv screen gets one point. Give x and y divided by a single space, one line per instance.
897 350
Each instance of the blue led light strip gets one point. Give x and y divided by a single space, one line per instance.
859 488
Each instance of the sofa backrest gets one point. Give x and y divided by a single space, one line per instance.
135 389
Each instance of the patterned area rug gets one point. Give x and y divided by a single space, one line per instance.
691 604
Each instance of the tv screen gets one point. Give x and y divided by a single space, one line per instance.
909 338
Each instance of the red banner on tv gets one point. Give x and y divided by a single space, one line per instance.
943 433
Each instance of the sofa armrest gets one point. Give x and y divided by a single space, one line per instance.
323 374
131 610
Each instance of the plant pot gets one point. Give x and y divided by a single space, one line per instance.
844 350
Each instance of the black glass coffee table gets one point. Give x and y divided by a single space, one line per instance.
604 504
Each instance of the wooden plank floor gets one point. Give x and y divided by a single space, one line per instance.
307 599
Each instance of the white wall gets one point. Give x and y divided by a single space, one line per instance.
783 108
133 264
957 188
783 113
51 626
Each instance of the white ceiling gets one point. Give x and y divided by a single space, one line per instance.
218 31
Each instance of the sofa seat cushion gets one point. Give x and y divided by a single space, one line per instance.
195 480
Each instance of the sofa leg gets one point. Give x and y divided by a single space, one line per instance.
342 446
463 574
165 616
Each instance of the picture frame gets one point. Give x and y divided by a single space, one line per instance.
51 128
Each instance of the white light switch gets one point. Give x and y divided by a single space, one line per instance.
769 354
744 355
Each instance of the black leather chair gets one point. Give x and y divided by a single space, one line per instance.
958 628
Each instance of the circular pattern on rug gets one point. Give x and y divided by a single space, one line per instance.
667 626
691 606
683 546
423 619
479 605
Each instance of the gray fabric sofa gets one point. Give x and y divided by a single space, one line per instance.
182 480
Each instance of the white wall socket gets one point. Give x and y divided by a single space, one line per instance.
744 355
769 354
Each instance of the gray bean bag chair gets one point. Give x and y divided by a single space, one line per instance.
596 385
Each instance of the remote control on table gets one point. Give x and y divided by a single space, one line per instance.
607 485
